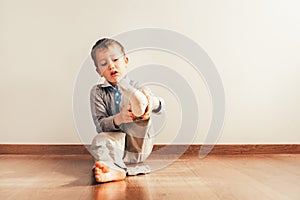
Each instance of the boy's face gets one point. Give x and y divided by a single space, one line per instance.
111 63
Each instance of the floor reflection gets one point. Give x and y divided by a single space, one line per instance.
119 190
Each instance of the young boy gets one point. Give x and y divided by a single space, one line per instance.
122 137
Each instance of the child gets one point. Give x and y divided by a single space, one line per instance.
122 137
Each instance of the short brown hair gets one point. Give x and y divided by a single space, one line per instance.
104 43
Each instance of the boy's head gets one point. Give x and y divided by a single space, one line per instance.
110 59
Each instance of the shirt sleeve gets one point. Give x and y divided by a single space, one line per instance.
161 108
99 109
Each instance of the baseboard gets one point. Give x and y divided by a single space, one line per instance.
219 149
39 149
232 149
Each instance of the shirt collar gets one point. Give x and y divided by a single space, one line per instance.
107 84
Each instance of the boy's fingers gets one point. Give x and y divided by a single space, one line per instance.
131 115
146 115
145 92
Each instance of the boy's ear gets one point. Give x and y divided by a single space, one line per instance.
126 59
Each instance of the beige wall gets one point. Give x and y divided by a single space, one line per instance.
255 46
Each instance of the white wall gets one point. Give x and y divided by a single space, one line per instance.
254 44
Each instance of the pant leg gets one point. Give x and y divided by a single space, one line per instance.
108 148
138 143
137 149
139 139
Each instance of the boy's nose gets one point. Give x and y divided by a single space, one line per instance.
111 65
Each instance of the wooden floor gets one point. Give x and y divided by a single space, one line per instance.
242 177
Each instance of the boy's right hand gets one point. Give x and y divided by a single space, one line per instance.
124 116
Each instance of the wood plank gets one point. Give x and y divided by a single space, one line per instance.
265 170
228 182
44 177
215 177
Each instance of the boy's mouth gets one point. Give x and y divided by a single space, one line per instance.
114 73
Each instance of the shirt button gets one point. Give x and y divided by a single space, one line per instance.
117 102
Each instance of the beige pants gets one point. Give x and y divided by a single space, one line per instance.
117 148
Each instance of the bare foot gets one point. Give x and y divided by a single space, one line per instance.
105 174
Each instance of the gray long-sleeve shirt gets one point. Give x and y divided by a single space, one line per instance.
103 108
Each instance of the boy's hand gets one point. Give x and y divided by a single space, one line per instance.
124 116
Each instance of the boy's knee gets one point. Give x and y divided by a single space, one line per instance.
98 139
107 136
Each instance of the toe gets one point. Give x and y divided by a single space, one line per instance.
98 178
97 171
102 167
98 164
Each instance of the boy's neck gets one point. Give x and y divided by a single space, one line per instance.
113 84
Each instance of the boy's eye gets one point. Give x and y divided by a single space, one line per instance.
116 59
103 64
